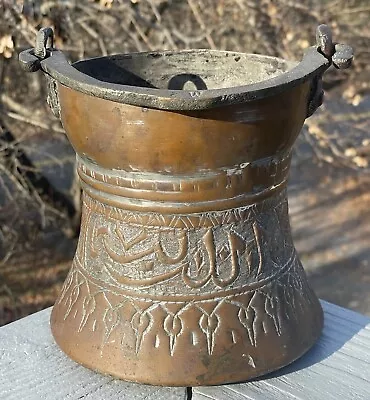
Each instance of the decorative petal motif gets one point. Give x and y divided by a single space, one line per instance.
257 311
72 298
67 285
172 326
273 310
141 324
88 307
209 323
246 317
111 320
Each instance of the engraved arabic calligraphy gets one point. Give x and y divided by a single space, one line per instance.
143 256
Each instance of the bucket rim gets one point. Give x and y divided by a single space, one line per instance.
57 66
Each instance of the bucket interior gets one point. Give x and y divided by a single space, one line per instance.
185 70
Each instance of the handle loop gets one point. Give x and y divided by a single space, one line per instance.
43 35
30 59
340 55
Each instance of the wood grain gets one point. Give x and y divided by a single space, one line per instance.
337 367
33 368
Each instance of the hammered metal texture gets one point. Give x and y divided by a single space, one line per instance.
185 272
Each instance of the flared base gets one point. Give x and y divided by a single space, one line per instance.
206 342
186 300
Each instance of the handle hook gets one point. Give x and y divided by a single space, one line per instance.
43 35
30 59
340 55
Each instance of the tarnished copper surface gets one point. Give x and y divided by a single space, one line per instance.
185 272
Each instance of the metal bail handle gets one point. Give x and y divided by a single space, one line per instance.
43 35
317 59
340 55
30 59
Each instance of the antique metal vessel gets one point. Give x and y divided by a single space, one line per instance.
185 272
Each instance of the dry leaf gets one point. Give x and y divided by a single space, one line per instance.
106 3
303 44
6 46
350 152
361 162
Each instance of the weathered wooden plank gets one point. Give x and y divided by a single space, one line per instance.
337 367
33 368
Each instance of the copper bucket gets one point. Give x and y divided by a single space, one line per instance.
185 272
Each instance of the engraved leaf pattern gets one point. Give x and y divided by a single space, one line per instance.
172 326
246 317
255 312
67 285
140 323
272 307
72 299
111 320
208 324
199 260
88 307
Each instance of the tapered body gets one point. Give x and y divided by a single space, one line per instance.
185 272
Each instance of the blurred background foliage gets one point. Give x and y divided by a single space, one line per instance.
39 194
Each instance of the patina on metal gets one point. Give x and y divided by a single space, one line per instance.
185 272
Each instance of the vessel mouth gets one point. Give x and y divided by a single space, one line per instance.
187 70
184 80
